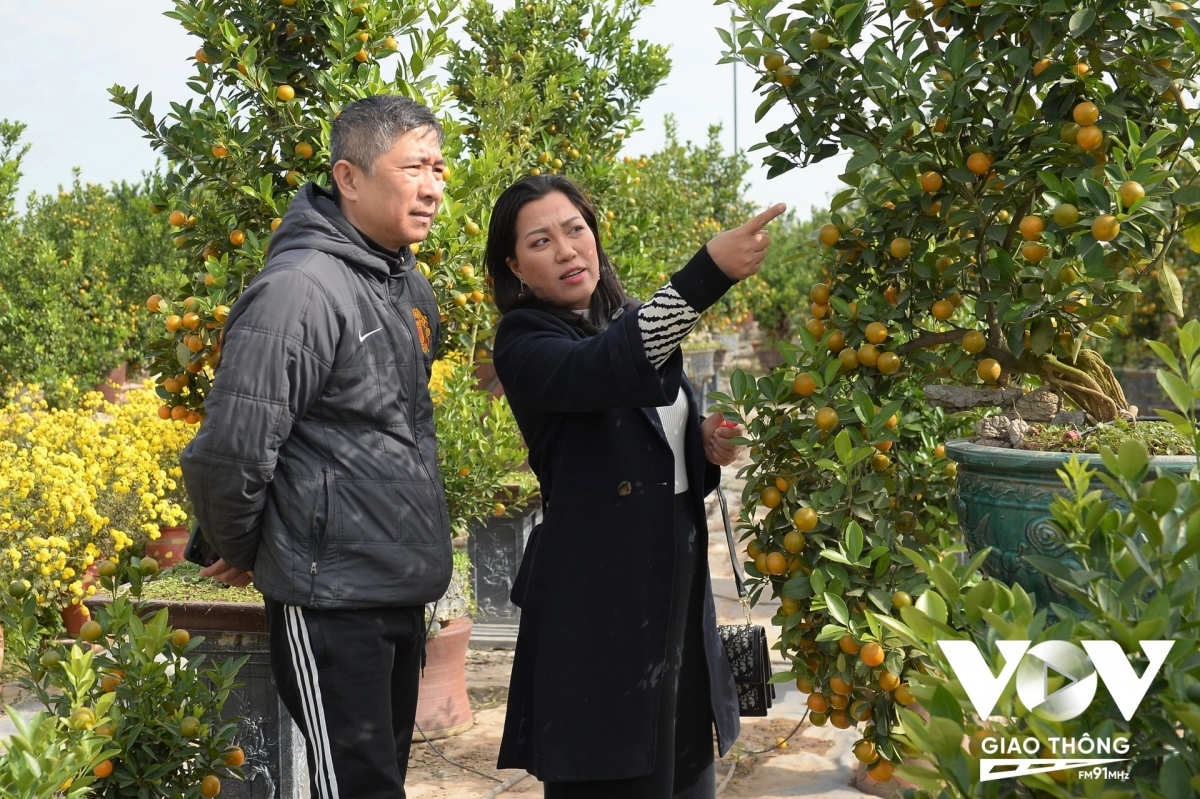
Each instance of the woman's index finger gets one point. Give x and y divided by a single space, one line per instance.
763 219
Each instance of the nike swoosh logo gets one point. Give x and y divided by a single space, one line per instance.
363 336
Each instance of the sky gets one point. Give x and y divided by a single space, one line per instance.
58 86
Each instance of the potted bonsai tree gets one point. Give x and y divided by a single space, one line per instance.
1015 175
1129 539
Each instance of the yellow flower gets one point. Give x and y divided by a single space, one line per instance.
75 483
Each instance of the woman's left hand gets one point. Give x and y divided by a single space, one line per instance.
718 436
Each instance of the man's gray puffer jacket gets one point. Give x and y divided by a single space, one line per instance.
316 465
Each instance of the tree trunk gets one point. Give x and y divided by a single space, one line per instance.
1089 383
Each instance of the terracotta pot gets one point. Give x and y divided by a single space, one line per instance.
113 386
74 617
443 708
168 549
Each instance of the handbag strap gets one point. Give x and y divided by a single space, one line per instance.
737 572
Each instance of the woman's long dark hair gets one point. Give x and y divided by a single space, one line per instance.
507 288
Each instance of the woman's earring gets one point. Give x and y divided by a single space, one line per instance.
523 286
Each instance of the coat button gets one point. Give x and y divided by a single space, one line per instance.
624 489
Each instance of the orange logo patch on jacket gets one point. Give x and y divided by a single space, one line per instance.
423 331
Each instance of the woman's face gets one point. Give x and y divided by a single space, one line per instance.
555 253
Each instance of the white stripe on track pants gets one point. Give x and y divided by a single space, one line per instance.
349 679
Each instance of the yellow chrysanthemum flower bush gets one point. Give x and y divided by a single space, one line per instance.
81 484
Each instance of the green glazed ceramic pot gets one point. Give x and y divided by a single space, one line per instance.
1003 502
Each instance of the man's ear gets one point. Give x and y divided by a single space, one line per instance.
346 175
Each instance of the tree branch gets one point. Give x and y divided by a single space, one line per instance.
927 339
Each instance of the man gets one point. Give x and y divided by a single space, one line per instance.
316 466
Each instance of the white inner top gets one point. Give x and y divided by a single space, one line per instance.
674 421
672 322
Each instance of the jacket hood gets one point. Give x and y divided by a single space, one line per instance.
314 222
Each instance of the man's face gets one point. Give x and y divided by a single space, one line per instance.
395 205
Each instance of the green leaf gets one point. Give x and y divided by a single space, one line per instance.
945 582
917 621
917 559
1081 20
1172 292
915 729
1189 339
837 608
1133 458
863 407
945 735
860 161
1175 779
1178 390
1134 134
944 705
930 780
1041 338
854 540
979 598
1165 355
1186 195
1180 423
841 199
835 556
1051 566
1136 551
1192 236
843 446
1096 193
832 632
737 383
900 629
1050 180
933 606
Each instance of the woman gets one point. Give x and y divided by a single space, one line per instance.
619 674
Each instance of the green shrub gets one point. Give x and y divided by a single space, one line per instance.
75 270
145 694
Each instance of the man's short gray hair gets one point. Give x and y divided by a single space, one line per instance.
368 128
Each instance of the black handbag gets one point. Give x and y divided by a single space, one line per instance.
746 644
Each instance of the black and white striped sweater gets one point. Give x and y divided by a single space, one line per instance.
671 314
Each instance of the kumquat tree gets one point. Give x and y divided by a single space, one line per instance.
269 81
1016 169
1017 173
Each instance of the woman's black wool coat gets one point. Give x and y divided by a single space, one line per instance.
594 585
